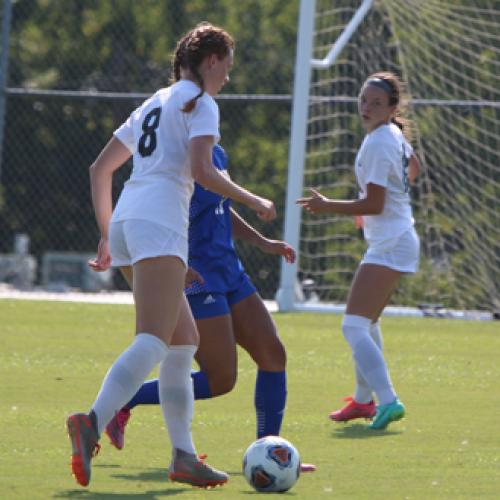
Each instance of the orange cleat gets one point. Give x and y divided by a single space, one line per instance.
353 410
84 441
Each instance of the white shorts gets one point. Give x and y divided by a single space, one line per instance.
403 255
133 240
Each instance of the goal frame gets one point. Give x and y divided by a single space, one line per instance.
304 63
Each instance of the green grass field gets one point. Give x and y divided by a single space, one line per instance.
53 357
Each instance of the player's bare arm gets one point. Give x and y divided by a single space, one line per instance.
200 155
371 204
244 231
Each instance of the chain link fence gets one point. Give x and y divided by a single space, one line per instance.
75 71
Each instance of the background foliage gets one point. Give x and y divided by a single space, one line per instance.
125 46
445 50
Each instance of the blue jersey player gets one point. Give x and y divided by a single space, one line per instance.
228 311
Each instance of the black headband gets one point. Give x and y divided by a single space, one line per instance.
381 84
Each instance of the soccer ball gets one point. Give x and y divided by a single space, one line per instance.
271 464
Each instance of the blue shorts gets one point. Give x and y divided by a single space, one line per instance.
210 304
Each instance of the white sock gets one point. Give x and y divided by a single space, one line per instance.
368 357
363 392
126 375
177 396
376 334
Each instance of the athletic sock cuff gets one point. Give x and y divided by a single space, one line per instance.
154 342
355 320
188 347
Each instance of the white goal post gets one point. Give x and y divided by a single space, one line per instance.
447 52
289 288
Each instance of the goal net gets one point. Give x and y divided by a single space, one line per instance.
448 54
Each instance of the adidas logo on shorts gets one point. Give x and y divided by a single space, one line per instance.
209 300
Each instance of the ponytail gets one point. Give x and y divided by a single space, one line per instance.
202 41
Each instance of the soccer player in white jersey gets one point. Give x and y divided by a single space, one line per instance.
385 166
170 137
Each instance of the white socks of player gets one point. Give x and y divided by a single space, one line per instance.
176 395
363 393
126 376
368 357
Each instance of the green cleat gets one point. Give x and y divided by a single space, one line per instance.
387 414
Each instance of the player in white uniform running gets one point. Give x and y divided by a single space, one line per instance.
170 136
385 166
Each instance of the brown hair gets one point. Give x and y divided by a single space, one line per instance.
393 87
203 40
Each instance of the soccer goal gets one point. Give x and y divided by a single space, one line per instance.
448 54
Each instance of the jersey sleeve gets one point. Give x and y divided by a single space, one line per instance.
379 159
408 149
125 134
204 119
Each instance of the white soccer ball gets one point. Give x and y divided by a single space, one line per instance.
271 464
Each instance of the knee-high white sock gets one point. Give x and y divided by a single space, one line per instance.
126 375
376 334
368 357
363 392
176 395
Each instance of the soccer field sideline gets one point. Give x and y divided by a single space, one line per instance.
125 298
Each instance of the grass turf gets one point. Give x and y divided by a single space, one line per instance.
53 357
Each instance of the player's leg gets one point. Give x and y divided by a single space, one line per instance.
216 353
369 292
361 405
157 292
177 401
363 393
155 321
255 331
175 387
216 357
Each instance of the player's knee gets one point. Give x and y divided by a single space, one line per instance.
355 328
222 383
272 356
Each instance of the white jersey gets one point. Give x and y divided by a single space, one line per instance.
157 134
383 159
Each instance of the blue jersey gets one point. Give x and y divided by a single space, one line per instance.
211 247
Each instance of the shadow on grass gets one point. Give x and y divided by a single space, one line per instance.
150 494
284 494
361 431
156 475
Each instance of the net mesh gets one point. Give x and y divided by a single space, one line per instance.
447 54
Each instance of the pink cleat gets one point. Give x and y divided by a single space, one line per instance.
353 410
116 428
307 467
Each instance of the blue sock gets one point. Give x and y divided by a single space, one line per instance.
148 393
270 401
200 384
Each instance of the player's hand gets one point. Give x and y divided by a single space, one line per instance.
102 262
193 275
277 247
265 208
315 204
